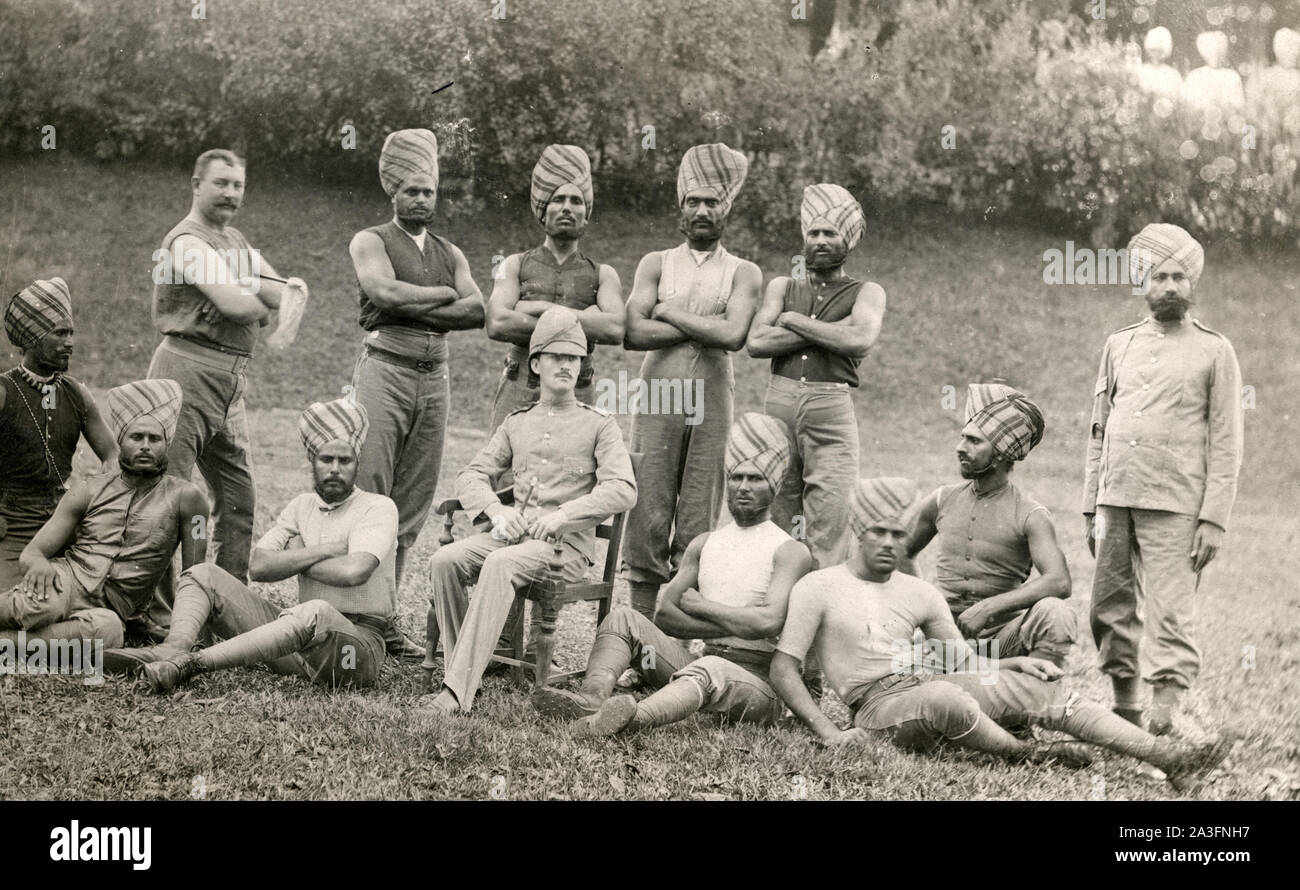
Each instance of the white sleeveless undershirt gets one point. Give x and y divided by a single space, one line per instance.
736 570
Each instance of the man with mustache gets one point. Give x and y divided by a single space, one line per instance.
571 473
991 535
43 414
731 592
555 274
690 308
1161 477
212 291
414 287
860 617
340 542
116 532
817 326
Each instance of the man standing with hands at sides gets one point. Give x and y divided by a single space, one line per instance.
209 324
572 472
691 306
43 414
861 615
555 274
816 328
414 286
1161 477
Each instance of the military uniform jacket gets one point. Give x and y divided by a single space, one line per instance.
570 456
1166 422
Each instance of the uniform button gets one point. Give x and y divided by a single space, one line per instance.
804 357
970 537
814 315
1132 443
803 379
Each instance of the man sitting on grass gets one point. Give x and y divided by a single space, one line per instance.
861 617
731 591
116 532
340 541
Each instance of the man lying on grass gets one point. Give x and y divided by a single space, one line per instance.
861 617
731 591
341 543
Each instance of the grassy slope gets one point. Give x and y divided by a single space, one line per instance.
964 304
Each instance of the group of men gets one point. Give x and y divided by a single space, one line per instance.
805 563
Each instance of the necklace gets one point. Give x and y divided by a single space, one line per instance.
44 431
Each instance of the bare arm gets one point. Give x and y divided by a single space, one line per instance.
726 331
466 312
96 430
193 536
766 339
230 298
787 680
504 321
853 339
670 618
640 331
58 531
344 571
791 562
276 565
376 276
922 526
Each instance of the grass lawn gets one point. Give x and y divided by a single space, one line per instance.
965 304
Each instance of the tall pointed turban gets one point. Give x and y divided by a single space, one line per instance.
560 165
713 166
406 153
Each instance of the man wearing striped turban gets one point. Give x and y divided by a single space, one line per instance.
114 535
1161 477
341 543
414 287
690 308
860 618
43 414
991 535
556 273
212 293
731 591
816 325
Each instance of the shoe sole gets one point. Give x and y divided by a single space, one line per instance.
1206 763
559 704
123 664
614 716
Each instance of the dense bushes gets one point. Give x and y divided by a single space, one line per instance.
967 105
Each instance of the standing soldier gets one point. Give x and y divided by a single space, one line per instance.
414 287
816 328
43 414
1161 477
554 274
691 307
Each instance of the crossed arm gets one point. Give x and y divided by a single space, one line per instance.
655 325
445 308
232 300
329 563
776 332
512 320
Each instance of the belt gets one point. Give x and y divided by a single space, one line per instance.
404 361
378 625
209 355
746 658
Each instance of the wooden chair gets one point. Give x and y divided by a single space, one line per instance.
549 594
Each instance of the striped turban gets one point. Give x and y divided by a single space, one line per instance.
980 394
159 399
762 440
713 167
561 165
406 153
834 204
1013 425
873 500
1162 241
36 310
323 422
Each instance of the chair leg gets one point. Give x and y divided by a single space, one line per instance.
518 639
431 636
545 644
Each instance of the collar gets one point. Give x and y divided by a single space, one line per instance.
418 239
36 382
1169 327
984 493
330 508
563 401
701 256
546 251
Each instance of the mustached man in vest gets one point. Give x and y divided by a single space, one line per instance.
555 274
338 540
816 327
43 414
414 287
117 532
731 592
690 308
212 292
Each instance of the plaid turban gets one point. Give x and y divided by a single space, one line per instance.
561 165
323 422
1013 424
714 167
835 205
980 394
36 310
405 153
1162 241
761 439
159 399
872 500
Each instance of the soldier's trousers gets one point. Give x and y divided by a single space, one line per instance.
1144 595
71 613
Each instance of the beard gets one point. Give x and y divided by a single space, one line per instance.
833 258
970 472
129 469
746 514
1168 308
333 493
686 225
